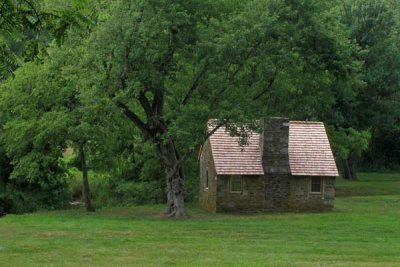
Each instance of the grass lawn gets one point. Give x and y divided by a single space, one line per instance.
364 230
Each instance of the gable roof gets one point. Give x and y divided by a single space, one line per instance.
232 159
309 151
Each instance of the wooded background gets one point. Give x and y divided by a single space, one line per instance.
128 86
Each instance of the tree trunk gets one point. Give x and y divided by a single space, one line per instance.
154 130
85 180
353 166
350 168
174 181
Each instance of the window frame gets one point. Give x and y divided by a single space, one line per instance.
321 186
230 184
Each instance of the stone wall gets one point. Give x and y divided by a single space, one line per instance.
301 198
207 195
254 198
250 200
275 160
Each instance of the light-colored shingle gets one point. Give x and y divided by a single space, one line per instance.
232 159
309 151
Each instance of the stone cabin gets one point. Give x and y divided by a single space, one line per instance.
289 166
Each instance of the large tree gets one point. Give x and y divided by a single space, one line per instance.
154 59
171 65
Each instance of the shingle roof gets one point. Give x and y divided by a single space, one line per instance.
309 152
230 158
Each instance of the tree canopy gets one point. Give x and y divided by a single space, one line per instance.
125 79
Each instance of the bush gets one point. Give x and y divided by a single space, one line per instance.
192 181
100 188
107 191
17 202
139 192
35 181
19 196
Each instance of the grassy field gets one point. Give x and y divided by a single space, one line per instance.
364 230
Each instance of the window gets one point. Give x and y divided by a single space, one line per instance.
236 184
316 185
207 178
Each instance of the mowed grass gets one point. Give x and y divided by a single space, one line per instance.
364 230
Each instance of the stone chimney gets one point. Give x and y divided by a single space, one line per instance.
274 144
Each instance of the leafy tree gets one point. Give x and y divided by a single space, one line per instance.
349 144
170 66
33 135
151 58
167 67
309 69
27 27
45 102
375 27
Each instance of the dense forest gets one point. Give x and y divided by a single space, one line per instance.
107 101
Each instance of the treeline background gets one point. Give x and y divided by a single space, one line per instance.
331 61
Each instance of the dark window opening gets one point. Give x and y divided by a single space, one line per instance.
207 179
316 185
236 185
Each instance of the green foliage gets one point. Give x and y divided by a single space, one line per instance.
19 195
5 167
192 184
349 141
374 25
28 27
140 179
139 193
100 188
176 64
136 177
33 139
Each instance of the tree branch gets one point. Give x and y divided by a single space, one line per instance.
144 102
132 116
160 153
247 56
166 60
270 83
35 11
195 85
163 68
158 101
188 153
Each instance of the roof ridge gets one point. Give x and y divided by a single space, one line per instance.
306 122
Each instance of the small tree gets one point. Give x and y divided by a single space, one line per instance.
349 145
45 110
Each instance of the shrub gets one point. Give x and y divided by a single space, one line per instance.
18 201
139 192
